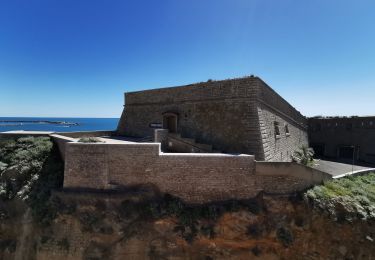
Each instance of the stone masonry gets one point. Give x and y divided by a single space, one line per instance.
193 177
344 138
241 115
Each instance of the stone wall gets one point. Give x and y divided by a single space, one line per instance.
193 177
87 134
219 113
328 135
224 114
61 142
279 147
286 177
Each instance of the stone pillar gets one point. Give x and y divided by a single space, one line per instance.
161 136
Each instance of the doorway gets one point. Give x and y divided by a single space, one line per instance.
170 122
346 152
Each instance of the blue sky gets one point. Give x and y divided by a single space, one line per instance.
76 58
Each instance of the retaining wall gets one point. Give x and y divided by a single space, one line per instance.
87 134
61 142
287 177
193 177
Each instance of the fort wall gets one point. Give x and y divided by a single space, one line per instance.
279 146
335 137
61 142
286 177
194 178
219 113
80 134
234 116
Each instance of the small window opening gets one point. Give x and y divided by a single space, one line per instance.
277 129
287 130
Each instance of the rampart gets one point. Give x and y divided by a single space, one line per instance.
193 177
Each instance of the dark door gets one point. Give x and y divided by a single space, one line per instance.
346 152
172 124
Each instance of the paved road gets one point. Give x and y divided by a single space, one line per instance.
335 168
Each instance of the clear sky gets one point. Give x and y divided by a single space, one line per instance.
76 58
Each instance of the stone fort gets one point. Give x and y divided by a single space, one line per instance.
241 115
204 142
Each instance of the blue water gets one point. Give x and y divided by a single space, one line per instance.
83 124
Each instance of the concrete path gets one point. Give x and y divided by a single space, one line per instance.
337 169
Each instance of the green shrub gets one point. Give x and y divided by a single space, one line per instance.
304 155
354 196
90 140
31 168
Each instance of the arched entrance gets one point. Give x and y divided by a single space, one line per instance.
170 122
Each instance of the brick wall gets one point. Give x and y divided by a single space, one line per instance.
286 177
61 142
193 177
87 134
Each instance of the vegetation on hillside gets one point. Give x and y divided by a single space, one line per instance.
348 198
30 168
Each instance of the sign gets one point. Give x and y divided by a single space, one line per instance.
156 125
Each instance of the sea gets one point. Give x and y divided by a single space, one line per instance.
57 124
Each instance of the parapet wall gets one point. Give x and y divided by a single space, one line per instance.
195 178
87 134
198 92
286 177
192 177
61 142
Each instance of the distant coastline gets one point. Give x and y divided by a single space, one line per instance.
48 122
57 124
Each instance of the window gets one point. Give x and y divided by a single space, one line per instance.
349 126
287 130
277 129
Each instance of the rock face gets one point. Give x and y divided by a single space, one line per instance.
134 226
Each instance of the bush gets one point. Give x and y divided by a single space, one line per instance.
351 197
31 168
304 155
90 140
